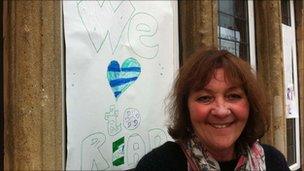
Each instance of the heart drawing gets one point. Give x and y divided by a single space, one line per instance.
121 78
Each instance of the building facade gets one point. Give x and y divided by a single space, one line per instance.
267 34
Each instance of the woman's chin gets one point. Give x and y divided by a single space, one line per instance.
222 145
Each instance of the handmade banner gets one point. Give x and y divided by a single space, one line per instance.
121 57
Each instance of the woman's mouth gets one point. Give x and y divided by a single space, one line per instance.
219 126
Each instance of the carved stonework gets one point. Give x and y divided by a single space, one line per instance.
198 25
33 84
270 67
299 23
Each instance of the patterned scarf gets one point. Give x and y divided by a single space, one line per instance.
250 158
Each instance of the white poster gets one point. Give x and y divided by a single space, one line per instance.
290 72
121 57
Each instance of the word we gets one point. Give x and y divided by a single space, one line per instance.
109 19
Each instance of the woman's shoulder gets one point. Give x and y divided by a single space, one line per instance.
168 149
168 156
273 153
274 159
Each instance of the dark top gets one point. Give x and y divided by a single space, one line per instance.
170 156
228 165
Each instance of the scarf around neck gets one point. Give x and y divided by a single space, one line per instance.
198 158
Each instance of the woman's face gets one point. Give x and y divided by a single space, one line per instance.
218 113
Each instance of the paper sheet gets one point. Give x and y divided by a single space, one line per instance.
290 73
121 57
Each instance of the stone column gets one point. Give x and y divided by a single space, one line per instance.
270 67
33 86
198 22
299 17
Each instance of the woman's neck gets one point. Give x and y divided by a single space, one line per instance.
223 154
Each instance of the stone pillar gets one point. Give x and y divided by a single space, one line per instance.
198 22
33 86
299 17
270 67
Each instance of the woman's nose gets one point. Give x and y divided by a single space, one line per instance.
220 109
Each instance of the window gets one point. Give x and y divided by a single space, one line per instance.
285 10
291 139
234 27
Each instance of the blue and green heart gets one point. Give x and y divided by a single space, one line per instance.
121 78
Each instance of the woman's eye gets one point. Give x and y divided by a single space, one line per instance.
205 99
234 96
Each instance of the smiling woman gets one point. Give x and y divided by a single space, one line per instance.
221 109
218 113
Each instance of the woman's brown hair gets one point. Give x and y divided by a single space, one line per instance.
196 73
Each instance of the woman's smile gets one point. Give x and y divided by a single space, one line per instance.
220 126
